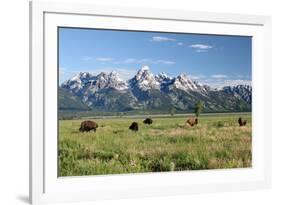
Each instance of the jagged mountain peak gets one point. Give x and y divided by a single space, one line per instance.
144 80
183 82
90 83
242 91
145 67
144 73
148 91
163 77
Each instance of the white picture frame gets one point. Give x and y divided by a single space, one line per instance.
46 187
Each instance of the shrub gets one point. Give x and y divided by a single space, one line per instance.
160 165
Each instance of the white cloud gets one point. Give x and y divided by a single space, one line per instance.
165 39
104 59
219 76
220 83
123 73
145 61
86 58
161 39
197 77
238 82
126 74
201 48
130 60
164 62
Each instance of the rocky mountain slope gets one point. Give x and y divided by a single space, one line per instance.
145 91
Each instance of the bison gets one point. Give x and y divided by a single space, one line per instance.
88 125
241 122
134 126
192 121
148 121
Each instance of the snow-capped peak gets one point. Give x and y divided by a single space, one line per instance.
163 77
144 80
93 83
144 72
184 83
243 91
116 82
146 67
77 81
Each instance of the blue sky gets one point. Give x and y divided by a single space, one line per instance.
210 59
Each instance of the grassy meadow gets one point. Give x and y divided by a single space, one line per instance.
166 145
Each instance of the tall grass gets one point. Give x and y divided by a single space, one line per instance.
166 145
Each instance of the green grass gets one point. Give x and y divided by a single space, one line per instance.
166 145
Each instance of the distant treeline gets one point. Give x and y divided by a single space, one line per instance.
71 115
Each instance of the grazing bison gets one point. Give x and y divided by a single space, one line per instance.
88 125
192 121
134 126
148 121
241 122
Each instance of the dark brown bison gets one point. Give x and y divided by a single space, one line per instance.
241 122
87 126
148 121
192 121
134 126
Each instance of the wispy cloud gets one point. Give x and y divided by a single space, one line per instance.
145 61
200 48
238 82
129 60
104 59
219 76
162 39
123 73
220 82
166 39
100 59
197 77
87 58
164 62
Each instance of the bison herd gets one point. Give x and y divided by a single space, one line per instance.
88 125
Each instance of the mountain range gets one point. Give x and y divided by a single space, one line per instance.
145 91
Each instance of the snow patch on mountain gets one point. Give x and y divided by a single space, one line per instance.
88 81
95 89
240 91
144 80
